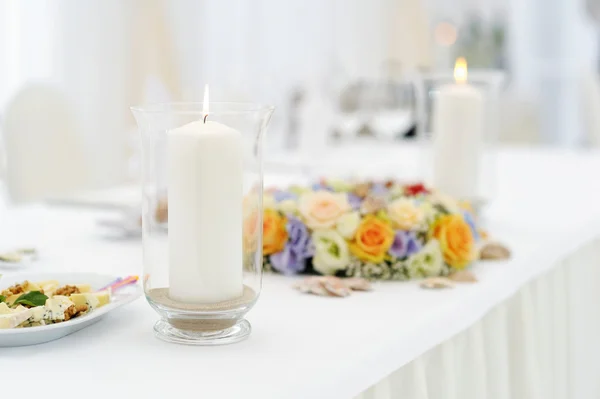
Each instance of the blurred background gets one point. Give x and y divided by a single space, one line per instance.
337 71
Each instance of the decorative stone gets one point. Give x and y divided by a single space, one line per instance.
437 283
335 286
494 251
358 284
332 286
463 276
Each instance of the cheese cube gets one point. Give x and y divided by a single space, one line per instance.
13 319
4 309
49 286
93 300
83 288
85 299
56 307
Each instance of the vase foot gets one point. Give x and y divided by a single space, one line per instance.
238 332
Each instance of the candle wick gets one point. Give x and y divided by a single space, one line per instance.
205 116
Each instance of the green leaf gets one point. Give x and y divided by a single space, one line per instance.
2 298
32 298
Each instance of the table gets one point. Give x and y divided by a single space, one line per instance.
397 340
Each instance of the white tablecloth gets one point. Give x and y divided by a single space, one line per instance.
312 347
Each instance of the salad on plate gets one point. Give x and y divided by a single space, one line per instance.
31 304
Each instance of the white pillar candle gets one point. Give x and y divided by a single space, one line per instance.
205 212
458 137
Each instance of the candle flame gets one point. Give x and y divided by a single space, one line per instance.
460 70
205 102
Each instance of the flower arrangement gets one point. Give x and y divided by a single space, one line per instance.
376 230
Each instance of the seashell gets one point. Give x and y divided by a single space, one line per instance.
437 283
302 284
494 251
361 190
371 205
335 286
358 284
312 285
332 286
463 276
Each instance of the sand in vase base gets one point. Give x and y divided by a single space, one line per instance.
160 297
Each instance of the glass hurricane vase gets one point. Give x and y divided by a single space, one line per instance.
202 186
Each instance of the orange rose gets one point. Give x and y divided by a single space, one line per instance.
275 234
372 240
456 240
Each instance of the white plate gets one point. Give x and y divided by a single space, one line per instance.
41 334
26 261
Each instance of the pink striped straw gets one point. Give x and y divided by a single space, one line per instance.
119 283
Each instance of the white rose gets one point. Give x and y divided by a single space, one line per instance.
446 201
321 209
395 191
406 215
428 262
331 252
347 224
432 258
288 206
413 266
429 211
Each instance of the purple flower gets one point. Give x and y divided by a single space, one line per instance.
287 262
284 195
354 201
379 189
298 248
405 244
299 239
471 222
321 187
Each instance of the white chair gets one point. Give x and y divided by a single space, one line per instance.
44 148
518 120
590 107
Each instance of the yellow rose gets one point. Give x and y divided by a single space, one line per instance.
456 240
372 240
321 209
275 234
406 215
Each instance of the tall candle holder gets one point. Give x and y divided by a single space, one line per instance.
202 190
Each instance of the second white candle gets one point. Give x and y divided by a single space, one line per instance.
458 144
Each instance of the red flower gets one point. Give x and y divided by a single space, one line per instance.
415 189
